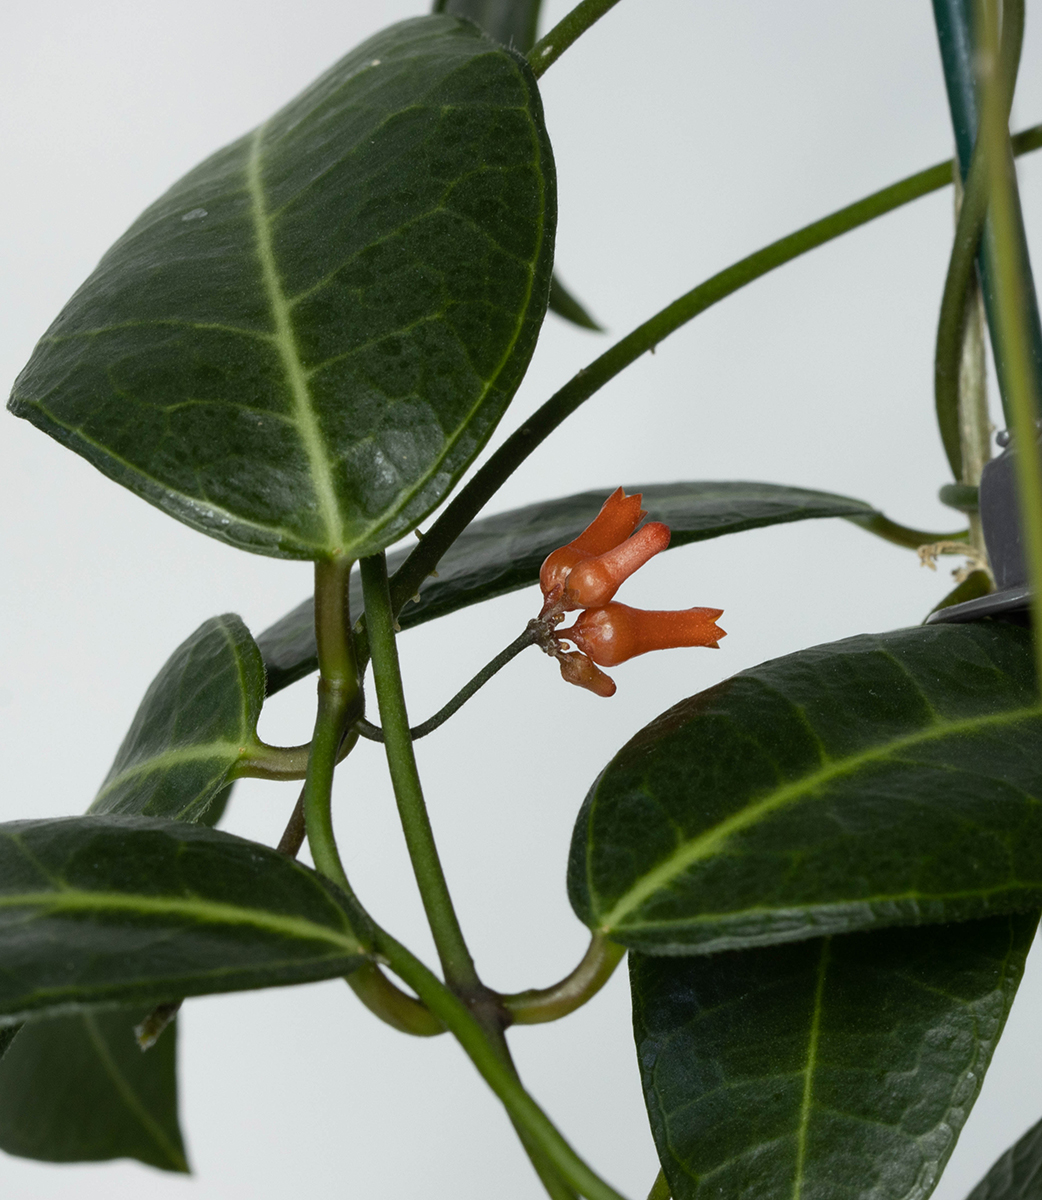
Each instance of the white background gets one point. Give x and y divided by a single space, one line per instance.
687 134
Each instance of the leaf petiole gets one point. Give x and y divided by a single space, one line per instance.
537 1005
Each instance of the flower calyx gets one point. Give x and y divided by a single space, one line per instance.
586 573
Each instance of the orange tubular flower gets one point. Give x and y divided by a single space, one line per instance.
595 581
586 574
614 633
619 516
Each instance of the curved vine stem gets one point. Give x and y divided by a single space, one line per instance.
961 267
469 501
1011 295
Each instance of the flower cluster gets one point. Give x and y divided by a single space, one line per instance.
585 575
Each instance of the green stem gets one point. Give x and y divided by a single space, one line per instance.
368 982
902 535
660 1188
401 761
961 267
338 693
295 832
1024 390
469 501
464 1026
537 1005
529 638
550 48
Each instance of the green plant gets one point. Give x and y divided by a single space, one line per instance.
860 705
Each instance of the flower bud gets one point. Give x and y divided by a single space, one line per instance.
595 581
614 633
577 668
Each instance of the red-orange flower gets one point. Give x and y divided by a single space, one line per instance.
586 573
611 634
595 581
619 516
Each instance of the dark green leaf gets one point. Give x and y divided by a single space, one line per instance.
836 1068
78 1089
512 22
881 780
301 346
7 1036
197 719
515 23
136 910
504 553
1017 1175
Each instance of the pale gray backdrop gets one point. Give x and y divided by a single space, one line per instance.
687 134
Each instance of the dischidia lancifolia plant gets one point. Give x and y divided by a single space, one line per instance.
826 871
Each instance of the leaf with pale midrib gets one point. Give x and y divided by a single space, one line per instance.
78 1089
890 779
124 910
503 553
300 347
197 718
836 1068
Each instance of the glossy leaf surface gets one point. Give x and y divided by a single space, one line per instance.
78 1089
1017 1174
881 780
198 716
503 553
300 347
836 1068
515 23
128 910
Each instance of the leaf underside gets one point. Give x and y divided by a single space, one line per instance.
131 910
300 347
881 780
78 1089
834 1069
197 716
503 553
